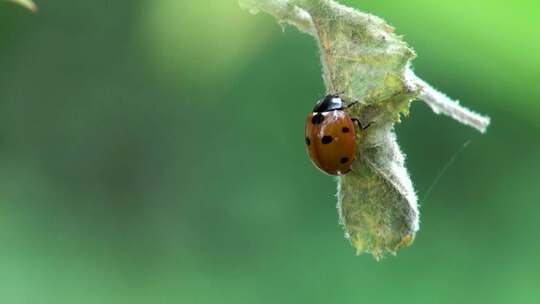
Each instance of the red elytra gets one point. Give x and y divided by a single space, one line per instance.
330 136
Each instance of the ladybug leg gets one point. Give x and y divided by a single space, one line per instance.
351 104
362 127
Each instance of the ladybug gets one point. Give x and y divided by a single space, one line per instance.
330 136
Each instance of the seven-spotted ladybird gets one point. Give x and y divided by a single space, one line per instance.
330 136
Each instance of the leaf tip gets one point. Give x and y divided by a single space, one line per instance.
28 4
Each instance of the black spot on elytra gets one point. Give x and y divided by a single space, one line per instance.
308 142
326 139
317 119
345 130
344 160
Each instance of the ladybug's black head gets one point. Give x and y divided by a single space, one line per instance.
329 103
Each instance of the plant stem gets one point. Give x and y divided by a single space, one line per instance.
442 104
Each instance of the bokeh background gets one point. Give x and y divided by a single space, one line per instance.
152 152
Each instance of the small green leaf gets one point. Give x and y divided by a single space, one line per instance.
29 4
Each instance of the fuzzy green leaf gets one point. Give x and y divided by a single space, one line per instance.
364 60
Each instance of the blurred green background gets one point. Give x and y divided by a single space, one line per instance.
152 152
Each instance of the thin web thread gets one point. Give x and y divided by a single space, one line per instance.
445 168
